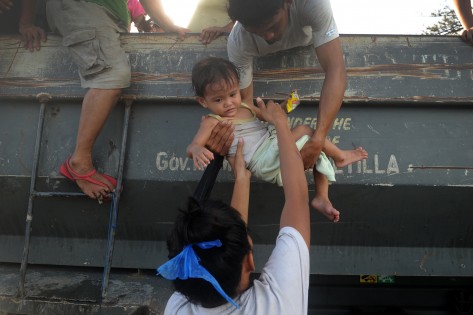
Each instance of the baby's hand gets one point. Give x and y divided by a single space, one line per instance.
202 157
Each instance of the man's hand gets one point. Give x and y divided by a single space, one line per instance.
221 138
181 31
311 151
155 10
209 34
32 36
467 35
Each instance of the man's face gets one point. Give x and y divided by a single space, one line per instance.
274 28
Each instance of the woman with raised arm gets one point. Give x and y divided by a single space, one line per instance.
211 251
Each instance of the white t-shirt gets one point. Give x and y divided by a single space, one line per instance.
310 22
282 288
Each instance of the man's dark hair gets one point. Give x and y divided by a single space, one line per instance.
207 222
253 13
213 70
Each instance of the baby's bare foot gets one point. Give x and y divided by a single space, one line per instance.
351 156
325 207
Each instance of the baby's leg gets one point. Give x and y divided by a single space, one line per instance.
297 133
343 158
301 130
321 202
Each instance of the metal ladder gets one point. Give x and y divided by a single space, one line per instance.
44 99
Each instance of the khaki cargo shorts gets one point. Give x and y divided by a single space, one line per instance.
92 35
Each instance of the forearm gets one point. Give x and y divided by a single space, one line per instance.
241 194
155 10
247 98
331 98
330 56
247 94
229 26
292 170
464 13
295 212
28 13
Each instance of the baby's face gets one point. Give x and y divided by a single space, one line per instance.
222 99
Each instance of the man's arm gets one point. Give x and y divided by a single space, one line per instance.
465 15
31 35
295 212
155 10
238 55
241 188
247 94
247 98
330 56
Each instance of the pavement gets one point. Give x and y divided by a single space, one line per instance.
58 290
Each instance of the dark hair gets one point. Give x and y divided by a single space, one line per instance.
253 13
213 70
207 222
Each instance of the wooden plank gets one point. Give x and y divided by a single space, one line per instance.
419 69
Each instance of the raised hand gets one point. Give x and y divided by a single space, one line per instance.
221 138
270 112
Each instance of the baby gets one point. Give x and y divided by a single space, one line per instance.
216 85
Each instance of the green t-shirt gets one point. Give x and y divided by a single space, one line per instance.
118 7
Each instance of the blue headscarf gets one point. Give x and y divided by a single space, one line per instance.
186 265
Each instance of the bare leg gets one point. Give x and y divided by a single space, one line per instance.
301 130
321 202
96 107
343 158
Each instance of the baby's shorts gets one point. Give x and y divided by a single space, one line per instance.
265 163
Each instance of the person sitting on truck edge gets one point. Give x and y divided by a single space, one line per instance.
91 31
211 251
268 26
215 83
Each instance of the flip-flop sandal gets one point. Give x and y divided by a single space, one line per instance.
67 171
